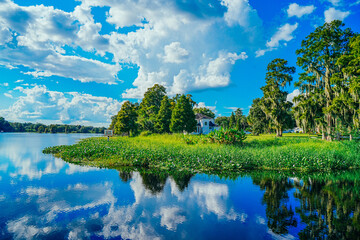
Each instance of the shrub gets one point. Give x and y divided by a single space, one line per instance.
227 136
145 133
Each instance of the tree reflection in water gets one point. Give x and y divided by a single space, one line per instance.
330 208
329 203
125 176
156 181
280 216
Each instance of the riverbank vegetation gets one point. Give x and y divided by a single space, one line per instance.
6 126
171 152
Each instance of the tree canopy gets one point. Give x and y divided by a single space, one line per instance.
205 111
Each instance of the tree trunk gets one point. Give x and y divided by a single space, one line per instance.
351 137
278 132
323 133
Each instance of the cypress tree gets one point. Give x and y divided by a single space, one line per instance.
163 119
183 117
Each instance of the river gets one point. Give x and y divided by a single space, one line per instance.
43 197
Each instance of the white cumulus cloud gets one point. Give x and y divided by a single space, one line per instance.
283 34
174 53
40 104
332 14
299 11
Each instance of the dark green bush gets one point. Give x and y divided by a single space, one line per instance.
227 136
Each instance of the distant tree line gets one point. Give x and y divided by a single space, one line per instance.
237 120
329 100
6 126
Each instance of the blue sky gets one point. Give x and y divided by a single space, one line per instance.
76 62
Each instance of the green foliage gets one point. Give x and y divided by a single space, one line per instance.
257 118
42 128
126 119
150 106
232 120
5 125
170 152
183 117
240 120
274 103
227 136
145 133
163 119
205 111
223 122
318 57
113 122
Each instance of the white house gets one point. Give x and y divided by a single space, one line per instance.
205 124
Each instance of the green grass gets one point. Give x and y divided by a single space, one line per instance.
171 153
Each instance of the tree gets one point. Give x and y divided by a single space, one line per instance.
257 118
126 119
348 102
163 119
183 117
53 128
274 103
232 120
240 120
41 129
5 125
223 122
205 111
150 106
318 57
113 122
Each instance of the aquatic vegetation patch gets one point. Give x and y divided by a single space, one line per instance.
171 152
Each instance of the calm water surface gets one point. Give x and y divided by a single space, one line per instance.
42 197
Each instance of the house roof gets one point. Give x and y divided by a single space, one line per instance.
200 116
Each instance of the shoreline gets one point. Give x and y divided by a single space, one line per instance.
170 152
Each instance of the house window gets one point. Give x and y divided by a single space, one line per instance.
205 123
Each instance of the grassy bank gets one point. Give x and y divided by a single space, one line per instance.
170 152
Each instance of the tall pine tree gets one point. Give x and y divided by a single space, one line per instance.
163 119
183 117
274 103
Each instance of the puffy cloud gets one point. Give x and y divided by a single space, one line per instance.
41 33
283 34
332 14
5 35
46 41
162 54
174 53
8 95
299 11
41 104
171 217
290 97
334 2
239 12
